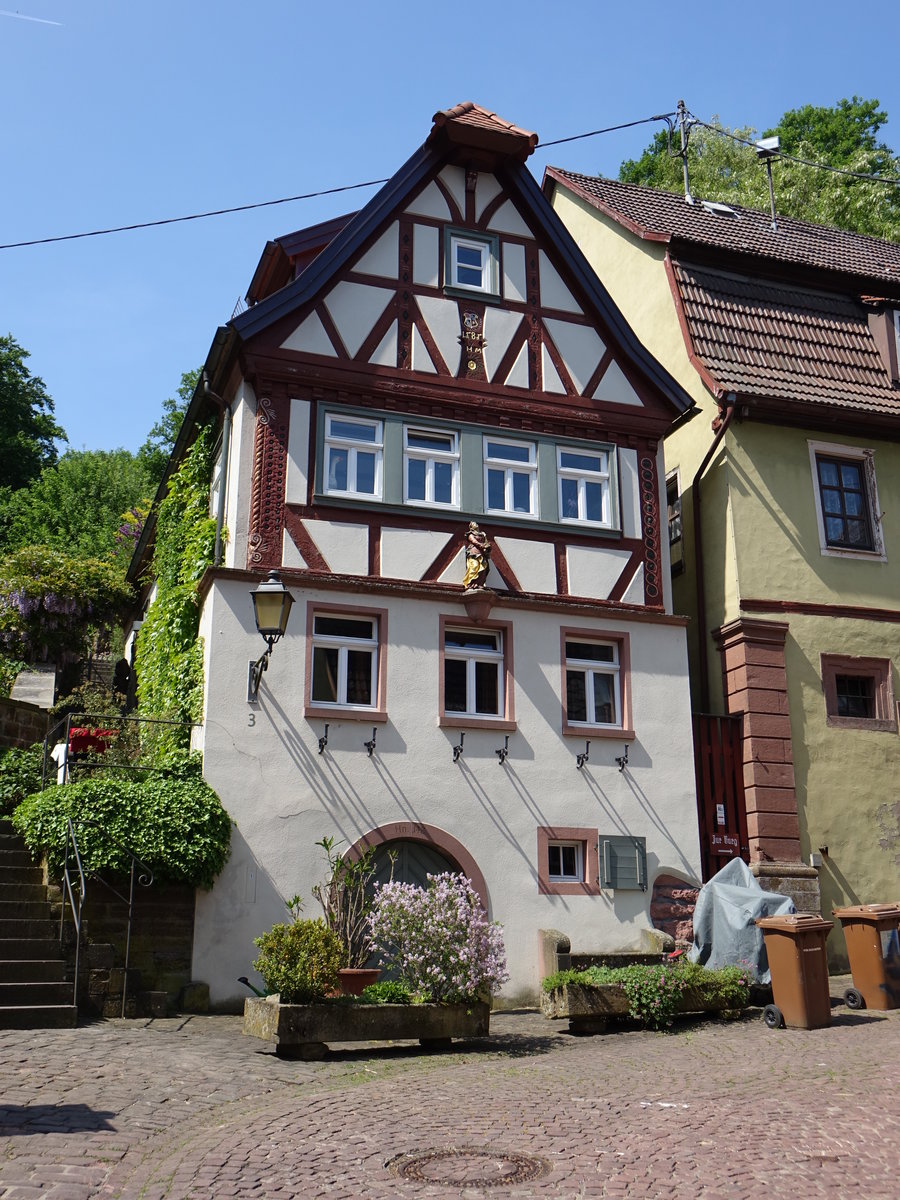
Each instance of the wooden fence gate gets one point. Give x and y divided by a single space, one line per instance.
718 761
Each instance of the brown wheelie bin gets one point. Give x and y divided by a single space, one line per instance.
870 931
795 946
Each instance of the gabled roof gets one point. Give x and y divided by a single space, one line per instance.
762 338
668 217
458 132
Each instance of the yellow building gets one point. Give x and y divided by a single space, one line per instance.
784 518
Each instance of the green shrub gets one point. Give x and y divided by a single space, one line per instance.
20 775
389 991
654 992
299 960
9 669
170 818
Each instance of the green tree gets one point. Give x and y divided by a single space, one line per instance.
27 428
52 604
155 451
77 506
845 136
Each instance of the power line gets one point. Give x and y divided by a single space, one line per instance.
221 212
806 162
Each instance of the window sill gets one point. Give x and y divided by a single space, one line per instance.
572 887
464 293
873 724
461 722
598 731
323 712
859 555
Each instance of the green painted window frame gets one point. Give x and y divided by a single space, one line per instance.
489 242
471 470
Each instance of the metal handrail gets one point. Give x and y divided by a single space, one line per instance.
61 734
144 878
76 909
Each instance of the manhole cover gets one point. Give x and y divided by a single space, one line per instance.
468 1166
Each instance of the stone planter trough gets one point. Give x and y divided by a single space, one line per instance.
304 1030
590 1007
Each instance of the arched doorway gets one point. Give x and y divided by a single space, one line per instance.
422 850
410 862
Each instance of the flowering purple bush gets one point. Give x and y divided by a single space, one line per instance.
438 940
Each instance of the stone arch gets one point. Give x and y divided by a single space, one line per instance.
416 831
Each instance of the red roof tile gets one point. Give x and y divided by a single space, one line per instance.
666 216
768 339
470 124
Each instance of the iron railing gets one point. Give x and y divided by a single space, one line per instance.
139 873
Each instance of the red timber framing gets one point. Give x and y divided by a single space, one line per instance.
460 389
755 684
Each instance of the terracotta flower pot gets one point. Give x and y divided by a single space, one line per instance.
353 980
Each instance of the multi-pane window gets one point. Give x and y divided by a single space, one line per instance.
844 500
353 456
593 689
855 696
859 692
565 861
344 660
510 476
431 467
583 485
673 516
473 672
472 263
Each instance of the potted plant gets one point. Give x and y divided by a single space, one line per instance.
299 961
439 941
345 898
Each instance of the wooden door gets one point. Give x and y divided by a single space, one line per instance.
718 761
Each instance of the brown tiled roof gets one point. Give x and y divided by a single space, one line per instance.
666 216
769 339
469 123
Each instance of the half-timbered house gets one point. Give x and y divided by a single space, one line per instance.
441 370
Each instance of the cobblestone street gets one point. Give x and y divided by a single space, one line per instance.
189 1107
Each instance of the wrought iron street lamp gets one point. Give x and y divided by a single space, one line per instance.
271 609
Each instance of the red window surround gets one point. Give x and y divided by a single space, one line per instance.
588 838
341 712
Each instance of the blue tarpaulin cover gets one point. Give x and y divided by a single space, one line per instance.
725 916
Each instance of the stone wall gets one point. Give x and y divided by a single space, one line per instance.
162 935
21 724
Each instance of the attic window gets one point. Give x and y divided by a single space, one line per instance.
719 210
472 263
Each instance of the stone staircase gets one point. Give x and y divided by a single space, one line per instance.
34 990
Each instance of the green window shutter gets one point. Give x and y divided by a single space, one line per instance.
624 862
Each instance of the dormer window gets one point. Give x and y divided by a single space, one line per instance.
471 263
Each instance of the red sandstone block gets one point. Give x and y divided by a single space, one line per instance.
751 676
766 799
763 774
767 725
772 849
758 700
762 749
763 825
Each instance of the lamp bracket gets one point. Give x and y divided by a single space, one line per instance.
458 750
257 670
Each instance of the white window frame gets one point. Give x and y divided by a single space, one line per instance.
471 656
590 667
430 458
582 477
487 248
510 468
866 458
562 877
354 447
344 643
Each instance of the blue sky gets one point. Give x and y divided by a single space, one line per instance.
119 113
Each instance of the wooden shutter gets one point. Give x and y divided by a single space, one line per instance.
624 862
